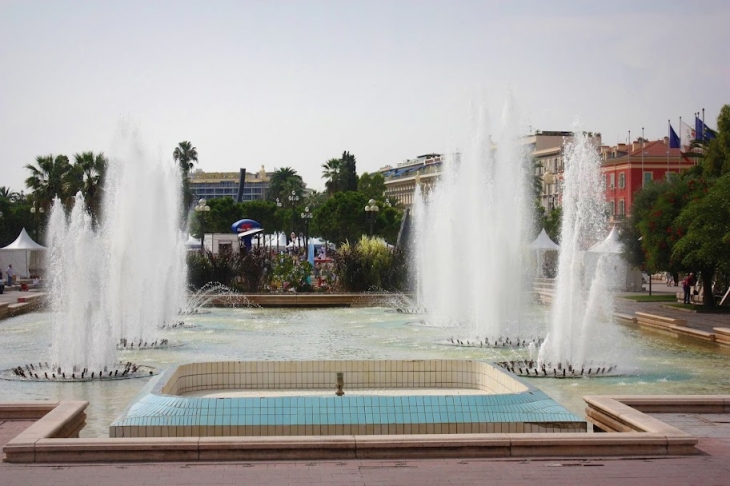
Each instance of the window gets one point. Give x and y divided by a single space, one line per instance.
611 207
648 176
613 181
621 207
621 180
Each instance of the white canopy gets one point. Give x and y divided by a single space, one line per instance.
23 243
543 242
610 245
192 242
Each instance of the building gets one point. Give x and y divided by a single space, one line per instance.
401 180
212 185
627 168
547 151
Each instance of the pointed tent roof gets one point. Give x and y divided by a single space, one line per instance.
543 242
24 242
192 241
610 245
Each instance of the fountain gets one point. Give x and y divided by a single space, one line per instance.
582 336
468 236
119 280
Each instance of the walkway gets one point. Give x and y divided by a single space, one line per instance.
710 467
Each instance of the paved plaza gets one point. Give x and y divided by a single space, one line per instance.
710 467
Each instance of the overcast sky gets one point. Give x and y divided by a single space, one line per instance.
296 83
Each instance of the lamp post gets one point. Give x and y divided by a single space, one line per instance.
202 209
371 212
35 211
306 217
278 205
293 199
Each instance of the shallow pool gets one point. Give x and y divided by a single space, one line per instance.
657 364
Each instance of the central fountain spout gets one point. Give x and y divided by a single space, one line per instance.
340 384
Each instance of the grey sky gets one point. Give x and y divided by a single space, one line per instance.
296 83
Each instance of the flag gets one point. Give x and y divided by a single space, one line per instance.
674 141
701 128
686 136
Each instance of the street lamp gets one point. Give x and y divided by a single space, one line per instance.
371 212
202 209
293 199
306 217
35 211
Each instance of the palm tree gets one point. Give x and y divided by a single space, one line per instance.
89 172
185 154
10 195
48 179
283 182
332 171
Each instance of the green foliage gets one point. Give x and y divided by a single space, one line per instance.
369 265
288 271
16 215
341 218
245 272
185 155
372 185
88 175
49 179
341 174
716 160
282 183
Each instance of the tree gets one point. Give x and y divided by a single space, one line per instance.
705 244
283 182
716 152
185 155
332 172
349 172
88 174
16 215
372 185
48 179
264 212
388 223
341 174
223 213
341 218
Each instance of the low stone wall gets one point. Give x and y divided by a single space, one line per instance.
313 299
647 437
358 374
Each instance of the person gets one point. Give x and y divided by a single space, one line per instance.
10 272
687 284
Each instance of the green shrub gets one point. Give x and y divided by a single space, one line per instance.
369 265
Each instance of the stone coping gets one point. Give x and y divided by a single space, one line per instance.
647 436
304 299
678 328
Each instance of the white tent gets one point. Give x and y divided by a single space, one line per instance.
18 253
192 243
620 275
542 244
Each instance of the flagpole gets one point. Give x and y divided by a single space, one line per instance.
679 158
631 189
642 157
669 144
703 126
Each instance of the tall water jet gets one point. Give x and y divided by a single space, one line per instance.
126 278
580 334
469 235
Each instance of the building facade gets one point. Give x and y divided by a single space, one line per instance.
401 180
212 185
547 150
628 167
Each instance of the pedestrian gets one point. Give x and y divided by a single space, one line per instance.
687 284
10 272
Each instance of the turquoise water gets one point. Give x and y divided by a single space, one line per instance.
657 364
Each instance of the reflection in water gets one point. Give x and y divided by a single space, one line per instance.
663 366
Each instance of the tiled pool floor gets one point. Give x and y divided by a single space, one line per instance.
326 392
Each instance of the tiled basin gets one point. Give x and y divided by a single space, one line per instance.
264 398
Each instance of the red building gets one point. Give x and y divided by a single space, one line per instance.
627 168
